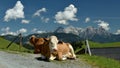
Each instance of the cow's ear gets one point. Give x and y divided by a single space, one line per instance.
46 39
60 42
32 40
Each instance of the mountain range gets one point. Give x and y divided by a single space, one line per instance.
73 34
91 33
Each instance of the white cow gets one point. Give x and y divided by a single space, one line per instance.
61 51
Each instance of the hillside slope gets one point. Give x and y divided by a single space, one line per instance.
14 47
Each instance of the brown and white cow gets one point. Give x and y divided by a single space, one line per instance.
40 46
62 50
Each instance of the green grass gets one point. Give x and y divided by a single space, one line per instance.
102 45
100 62
14 47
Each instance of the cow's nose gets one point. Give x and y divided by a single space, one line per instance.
54 49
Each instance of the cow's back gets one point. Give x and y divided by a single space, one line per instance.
63 47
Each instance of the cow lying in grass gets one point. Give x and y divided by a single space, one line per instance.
61 50
40 46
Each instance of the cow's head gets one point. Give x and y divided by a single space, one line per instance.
32 39
38 43
53 43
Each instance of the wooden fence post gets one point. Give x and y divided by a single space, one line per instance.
88 47
20 36
20 41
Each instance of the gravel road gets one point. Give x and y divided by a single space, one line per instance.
18 60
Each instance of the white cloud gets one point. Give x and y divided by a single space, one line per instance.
41 31
87 20
6 31
45 19
25 21
15 12
67 15
118 31
35 30
103 24
22 30
38 12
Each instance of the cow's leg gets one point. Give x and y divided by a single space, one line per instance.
36 51
61 57
69 55
52 57
64 57
72 51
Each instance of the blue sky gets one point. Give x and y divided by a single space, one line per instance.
31 16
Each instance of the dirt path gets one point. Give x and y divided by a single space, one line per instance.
15 60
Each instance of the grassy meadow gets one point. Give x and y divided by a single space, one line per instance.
100 62
14 47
